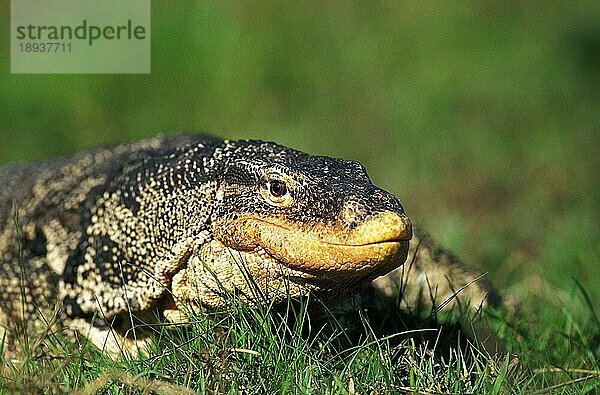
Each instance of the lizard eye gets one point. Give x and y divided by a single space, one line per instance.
277 188
276 192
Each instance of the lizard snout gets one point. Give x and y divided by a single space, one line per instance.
373 216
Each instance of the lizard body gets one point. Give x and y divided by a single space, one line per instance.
174 223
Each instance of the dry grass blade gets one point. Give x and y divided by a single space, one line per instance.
142 383
244 351
565 384
569 370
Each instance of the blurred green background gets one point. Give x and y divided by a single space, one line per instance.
482 117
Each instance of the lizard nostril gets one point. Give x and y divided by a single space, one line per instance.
350 213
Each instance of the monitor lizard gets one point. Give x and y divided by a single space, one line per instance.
174 223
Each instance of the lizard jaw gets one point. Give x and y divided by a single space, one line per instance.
332 260
375 247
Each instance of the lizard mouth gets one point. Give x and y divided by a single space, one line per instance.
318 256
374 247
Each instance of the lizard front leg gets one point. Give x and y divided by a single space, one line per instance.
173 271
115 328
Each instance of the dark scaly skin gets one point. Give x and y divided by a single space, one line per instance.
163 224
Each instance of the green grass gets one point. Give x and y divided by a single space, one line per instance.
481 117
258 350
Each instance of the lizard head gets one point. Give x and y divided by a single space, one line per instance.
316 221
